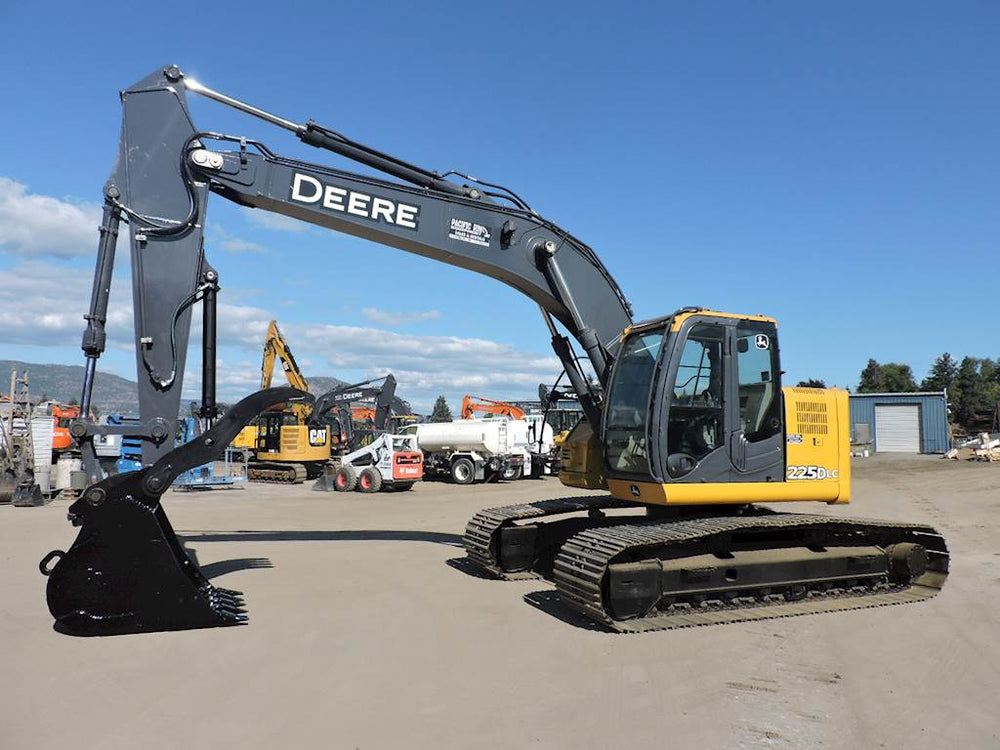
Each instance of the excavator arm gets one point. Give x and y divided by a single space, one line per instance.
473 404
276 348
167 168
381 390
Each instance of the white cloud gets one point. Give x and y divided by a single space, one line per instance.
236 245
392 318
43 304
425 366
233 380
269 220
231 243
33 225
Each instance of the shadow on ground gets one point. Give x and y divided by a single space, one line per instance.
468 567
216 569
548 602
196 537
221 568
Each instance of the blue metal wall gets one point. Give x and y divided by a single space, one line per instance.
933 415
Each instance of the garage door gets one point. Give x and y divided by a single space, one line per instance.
897 428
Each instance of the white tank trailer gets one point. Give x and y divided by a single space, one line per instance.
470 450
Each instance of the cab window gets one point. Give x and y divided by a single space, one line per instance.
757 364
696 409
628 403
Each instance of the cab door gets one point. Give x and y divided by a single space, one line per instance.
721 402
269 433
756 442
695 402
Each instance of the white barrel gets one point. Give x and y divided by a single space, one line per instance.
65 466
43 478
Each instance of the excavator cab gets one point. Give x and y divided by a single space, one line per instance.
695 413
696 397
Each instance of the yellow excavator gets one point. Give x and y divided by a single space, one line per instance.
688 440
283 445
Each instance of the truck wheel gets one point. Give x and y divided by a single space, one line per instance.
463 471
346 479
370 480
511 473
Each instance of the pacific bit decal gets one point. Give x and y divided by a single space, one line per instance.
467 231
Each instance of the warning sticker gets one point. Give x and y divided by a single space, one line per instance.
466 231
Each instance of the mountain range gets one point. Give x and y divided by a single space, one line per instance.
112 393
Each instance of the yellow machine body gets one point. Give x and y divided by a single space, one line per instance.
816 461
296 443
247 439
581 459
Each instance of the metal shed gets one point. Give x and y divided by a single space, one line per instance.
901 422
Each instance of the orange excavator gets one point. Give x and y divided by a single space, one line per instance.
471 405
62 415
365 414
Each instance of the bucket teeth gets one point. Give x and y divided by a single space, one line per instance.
228 604
232 614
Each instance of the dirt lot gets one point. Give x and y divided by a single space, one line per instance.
363 635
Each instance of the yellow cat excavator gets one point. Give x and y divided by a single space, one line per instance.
687 426
284 445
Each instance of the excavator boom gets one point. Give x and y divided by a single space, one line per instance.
166 170
471 405
276 348
381 390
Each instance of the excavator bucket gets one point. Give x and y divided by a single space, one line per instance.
127 571
27 493
327 480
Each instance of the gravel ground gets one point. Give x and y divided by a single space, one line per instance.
366 632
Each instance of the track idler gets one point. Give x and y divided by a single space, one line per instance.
127 571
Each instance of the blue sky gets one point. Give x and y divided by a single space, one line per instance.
833 165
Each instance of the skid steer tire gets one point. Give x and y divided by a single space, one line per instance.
463 471
346 479
370 480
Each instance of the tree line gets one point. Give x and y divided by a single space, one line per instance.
973 385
